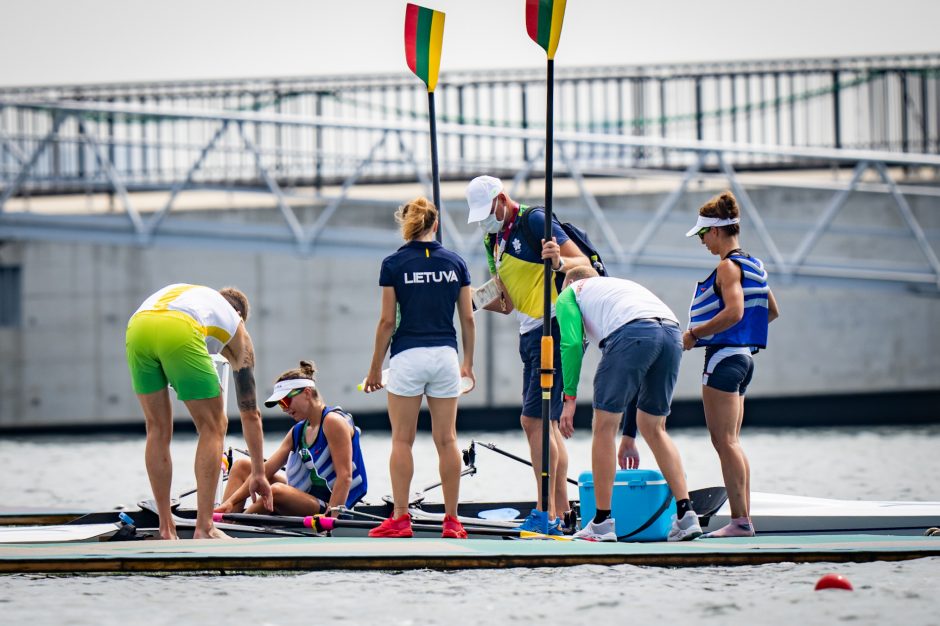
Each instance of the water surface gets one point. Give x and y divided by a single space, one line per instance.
881 463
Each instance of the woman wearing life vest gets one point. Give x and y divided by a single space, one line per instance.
323 458
423 282
729 315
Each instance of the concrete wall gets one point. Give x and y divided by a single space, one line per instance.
66 363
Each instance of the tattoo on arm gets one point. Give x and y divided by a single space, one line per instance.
245 384
245 389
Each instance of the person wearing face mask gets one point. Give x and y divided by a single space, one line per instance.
518 270
324 469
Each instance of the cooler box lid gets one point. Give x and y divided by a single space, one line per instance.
626 478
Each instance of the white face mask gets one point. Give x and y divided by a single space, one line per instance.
490 224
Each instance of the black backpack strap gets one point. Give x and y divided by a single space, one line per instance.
535 243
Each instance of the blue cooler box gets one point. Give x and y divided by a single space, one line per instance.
642 504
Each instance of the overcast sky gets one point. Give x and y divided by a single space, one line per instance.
81 41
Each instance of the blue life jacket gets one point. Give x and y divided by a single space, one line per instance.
310 469
752 329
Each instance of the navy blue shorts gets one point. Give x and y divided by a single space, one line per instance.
530 351
728 369
639 360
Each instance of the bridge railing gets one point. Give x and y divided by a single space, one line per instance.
912 259
888 103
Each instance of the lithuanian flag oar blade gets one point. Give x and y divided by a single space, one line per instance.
424 34
543 19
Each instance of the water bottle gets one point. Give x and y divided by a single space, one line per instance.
127 531
362 386
126 519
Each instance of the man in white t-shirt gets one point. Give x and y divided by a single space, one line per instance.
641 347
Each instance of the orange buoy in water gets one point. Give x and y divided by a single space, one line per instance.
833 581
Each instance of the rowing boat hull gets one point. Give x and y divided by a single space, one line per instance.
780 514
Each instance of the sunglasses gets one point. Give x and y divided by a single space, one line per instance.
703 231
284 402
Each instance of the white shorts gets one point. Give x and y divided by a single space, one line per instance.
431 371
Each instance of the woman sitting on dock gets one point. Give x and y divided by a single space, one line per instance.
324 462
729 315
423 282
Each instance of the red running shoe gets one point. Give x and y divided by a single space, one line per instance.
453 529
393 527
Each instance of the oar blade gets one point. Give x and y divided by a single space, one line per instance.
424 38
707 501
543 20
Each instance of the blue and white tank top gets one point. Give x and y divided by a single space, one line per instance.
310 468
751 331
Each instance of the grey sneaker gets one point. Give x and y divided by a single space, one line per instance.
605 531
685 529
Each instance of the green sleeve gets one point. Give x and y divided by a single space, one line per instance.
572 339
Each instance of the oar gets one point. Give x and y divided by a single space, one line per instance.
190 523
708 500
490 446
424 36
543 23
322 523
418 497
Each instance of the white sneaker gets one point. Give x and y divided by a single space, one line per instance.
605 531
685 529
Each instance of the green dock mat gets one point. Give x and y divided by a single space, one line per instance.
309 553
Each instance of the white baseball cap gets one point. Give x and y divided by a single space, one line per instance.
480 194
703 222
284 387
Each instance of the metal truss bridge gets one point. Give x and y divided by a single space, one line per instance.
58 142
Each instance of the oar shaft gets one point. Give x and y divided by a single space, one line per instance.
257 518
547 355
490 446
323 523
435 175
467 472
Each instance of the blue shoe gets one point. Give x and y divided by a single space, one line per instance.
538 522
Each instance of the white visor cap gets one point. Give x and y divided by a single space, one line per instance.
708 222
480 194
284 387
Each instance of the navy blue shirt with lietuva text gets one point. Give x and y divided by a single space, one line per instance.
427 279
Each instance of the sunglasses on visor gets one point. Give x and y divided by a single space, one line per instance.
284 402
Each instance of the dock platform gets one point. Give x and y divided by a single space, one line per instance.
359 553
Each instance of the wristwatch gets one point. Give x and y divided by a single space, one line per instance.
561 264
